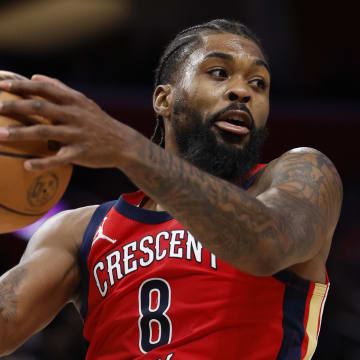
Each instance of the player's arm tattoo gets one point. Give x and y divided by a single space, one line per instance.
8 297
306 193
245 231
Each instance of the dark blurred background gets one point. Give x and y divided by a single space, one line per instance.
109 49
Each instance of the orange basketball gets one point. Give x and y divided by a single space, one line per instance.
25 196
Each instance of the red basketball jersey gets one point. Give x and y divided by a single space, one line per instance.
153 292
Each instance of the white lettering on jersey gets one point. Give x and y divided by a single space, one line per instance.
141 253
126 257
169 357
114 265
100 233
100 265
174 241
166 236
146 250
195 247
213 261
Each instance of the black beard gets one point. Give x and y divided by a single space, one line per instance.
198 144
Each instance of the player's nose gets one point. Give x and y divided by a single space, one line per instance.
238 91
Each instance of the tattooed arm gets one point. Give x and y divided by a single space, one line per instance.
289 222
47 277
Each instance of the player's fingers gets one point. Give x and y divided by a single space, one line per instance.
50 162
55 113
56 82
45 89
39 132
8 75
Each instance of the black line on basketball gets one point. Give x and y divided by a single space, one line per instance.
19 212
22 156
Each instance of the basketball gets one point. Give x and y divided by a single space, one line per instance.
25 196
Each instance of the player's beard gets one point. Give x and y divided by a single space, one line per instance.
198 143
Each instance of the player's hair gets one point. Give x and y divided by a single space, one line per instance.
181 47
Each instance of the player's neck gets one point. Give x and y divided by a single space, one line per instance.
149 204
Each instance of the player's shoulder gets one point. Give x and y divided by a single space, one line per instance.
306 163
74 216
306 172
301 158
303 153
70 220
63 230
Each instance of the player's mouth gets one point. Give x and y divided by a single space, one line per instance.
235 121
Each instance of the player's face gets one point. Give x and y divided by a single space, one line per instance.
221 105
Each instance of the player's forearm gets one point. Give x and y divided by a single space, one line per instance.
6 293
228 221
9 307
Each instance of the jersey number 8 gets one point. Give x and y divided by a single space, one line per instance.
153 314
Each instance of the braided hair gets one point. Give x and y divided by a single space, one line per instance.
182 46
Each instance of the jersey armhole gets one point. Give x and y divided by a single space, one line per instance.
84 251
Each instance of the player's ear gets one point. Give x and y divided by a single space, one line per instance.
162 100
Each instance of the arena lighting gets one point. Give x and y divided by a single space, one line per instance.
26 232
46 25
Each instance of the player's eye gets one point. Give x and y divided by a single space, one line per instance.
218 73
259 83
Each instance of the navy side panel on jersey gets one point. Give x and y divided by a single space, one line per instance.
294 311
84 251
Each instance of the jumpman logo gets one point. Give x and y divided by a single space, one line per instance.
100 234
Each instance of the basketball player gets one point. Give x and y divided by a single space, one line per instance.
216 256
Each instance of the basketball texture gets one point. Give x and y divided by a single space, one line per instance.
25 196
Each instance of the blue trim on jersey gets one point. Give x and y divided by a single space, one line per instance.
294 305
85 248
141 215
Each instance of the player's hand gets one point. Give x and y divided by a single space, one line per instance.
88 136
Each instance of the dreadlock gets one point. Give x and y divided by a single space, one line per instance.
182 46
